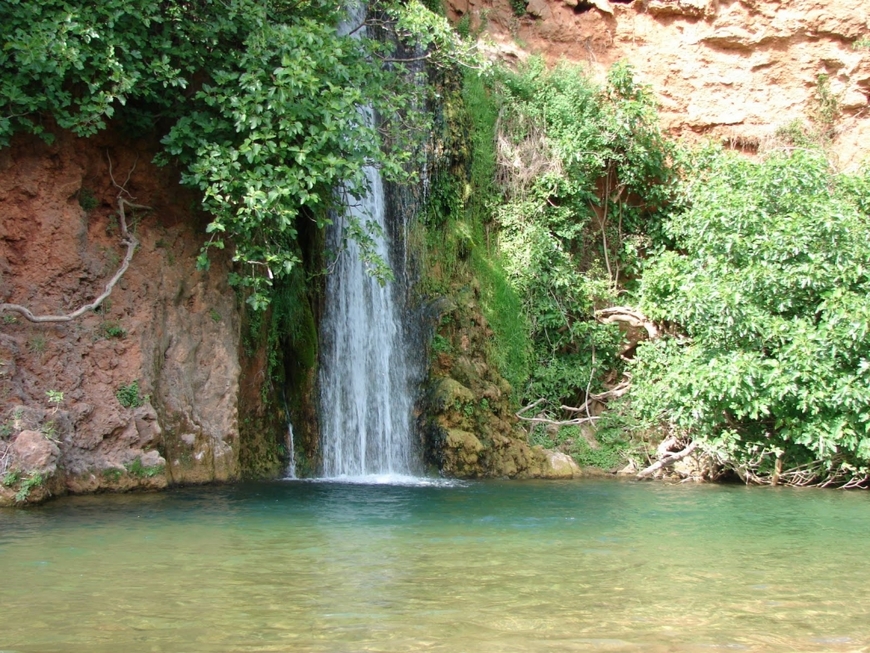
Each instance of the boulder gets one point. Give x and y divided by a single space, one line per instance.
32 452
559 465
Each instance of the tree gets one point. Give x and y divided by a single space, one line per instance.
767 283
258 100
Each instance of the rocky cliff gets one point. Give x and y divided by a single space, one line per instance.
141 392
147 390
734 71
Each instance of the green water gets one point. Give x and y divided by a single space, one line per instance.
575 566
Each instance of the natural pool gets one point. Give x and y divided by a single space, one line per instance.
593 565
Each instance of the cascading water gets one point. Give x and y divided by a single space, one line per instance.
365 373
290 472
365 395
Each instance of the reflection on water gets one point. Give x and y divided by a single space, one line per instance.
325 567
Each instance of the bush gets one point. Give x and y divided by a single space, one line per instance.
768 280
586 177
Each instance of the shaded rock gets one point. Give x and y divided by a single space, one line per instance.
32 452
539 9
690 8
603 5
152 459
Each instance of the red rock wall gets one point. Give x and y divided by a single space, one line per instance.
181 326
731 70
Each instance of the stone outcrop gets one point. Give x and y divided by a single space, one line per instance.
144 391
731 70
469 427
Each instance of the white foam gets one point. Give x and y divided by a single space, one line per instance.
388 479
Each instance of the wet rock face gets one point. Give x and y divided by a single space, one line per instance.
469 427
733 70
144 391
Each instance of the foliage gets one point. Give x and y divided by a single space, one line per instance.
586 177
113 474
440 344
10 478
87 200
606 452
768 282
259 101
137 469
36 344
49 430
501 304
128 395
112 329
826 108
26 487
519 7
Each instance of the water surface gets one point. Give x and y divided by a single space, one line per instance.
323 567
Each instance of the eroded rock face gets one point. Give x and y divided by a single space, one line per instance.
32 452
735 71
470 429
143 392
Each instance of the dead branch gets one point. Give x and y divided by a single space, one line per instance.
529 407
601 397
667 461
537 419
127 239
666 446
629 316
555 422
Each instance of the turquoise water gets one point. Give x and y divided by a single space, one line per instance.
499 566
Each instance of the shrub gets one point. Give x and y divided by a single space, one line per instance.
128 395
768 282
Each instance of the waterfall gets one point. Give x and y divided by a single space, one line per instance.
290 472
364 377
365 372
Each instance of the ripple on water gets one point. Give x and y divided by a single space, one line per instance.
372 565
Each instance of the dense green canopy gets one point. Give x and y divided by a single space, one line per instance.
257 99
768 281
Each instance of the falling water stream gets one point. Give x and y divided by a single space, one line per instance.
365 377
365 397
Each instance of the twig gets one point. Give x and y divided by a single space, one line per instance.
122 188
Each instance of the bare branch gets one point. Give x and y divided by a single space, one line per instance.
629 316
122 187
554 422
667 461
529 407
127 239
